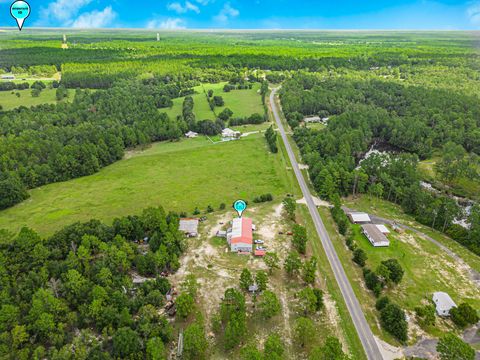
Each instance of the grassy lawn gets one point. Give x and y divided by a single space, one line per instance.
10 101
241 102
179 176
462 187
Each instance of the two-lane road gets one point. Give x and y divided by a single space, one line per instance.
364 332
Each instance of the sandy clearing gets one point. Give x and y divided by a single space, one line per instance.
317 201
389 352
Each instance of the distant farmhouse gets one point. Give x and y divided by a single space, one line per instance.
316 119
374 235
8 77
443 303
229 134
189 227
191 134
359 218
240 236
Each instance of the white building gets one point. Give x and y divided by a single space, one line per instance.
443 303
229 134
359 218
189 227
383 229
191 134
240 236
375 236
8 77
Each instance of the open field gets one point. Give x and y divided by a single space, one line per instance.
241 102
176 175
461 187
11 101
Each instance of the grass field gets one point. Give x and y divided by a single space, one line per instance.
462 187
10 101
179 176
241 102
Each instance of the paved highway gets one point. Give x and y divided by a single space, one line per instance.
365 334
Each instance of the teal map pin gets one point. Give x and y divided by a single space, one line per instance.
240 206
20 10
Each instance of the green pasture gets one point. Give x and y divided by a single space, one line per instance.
241 102
180 176
9 100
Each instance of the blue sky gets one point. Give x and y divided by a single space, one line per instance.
251 14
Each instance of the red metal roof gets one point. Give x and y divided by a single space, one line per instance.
246 237
259 252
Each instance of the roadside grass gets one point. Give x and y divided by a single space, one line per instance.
179 176
463 187
10 101
242 102
392 211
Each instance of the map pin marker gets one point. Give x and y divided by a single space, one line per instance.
240 206
20 10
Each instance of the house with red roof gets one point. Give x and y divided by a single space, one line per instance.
240 236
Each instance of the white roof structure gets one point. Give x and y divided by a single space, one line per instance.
189 226
191 134
375 236
359 217
312 119
383 229
227 132
443 303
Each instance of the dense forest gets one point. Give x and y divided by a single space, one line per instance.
74 290
411 121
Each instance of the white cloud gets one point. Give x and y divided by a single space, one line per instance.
226 14
473 13
181 9
95 18
64 10
203 2
167 24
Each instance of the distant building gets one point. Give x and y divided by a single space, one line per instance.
312 119
8 77
240 236
443 303
359 218
189 227
375 236
229 134
191 134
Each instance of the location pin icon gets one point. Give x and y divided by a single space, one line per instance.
240 206
20 10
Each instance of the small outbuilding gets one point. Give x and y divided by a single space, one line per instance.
375 236
383 229
229 134
359 218
189 227
443 303
191 134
